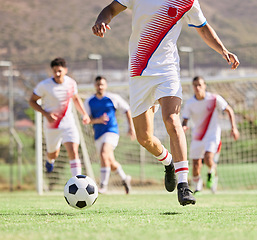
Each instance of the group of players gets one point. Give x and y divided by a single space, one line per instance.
154 81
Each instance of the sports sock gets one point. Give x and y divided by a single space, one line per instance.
197 183
50 160
75 167
120 171
165 157
181 170
105 175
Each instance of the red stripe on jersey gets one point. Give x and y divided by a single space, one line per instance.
164 157
63 112
181 169
219 147
155 31
210 108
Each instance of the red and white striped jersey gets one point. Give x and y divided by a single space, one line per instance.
56 98
204 114
156 26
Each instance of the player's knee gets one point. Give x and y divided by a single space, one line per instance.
172 122
144 140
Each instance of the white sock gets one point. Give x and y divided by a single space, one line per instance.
121 173
75 167
105 175
50 160
165 157
181 170
197 183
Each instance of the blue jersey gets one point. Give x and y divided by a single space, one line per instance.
96 107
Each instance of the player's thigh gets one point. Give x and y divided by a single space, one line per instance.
72 150
144 124
71 140
53 139
170 111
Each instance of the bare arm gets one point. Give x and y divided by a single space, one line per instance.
104 119
234 130
210 37
105 17
131 130
80 107
184 124
33 103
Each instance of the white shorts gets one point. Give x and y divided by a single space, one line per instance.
146 91
198 148
55 137
108 137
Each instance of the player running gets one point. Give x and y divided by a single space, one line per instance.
203 108
155 77
57 94
102 107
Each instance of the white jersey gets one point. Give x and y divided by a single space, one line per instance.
56 98
156 26
204 114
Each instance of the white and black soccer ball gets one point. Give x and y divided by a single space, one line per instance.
80 192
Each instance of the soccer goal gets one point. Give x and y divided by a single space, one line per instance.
237 163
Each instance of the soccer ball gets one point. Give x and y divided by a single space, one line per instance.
80 192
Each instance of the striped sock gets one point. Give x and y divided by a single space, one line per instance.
165 158
75 167
181 170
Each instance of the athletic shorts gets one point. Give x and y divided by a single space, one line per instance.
55 137
198 148
108 137
146 91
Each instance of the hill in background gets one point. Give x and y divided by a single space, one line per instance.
35 31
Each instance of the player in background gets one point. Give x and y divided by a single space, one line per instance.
155 76
101 108
203 109
57 94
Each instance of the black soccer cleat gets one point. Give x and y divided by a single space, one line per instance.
185 196
170 178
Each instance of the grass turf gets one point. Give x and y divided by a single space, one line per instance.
156 215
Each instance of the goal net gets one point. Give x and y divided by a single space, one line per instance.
237 165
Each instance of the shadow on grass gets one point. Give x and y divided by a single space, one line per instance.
170 213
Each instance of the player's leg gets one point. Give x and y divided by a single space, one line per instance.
170 112
216 160
197 180
144 131
208 160
75 162
53 144
108 161
71 142
51 159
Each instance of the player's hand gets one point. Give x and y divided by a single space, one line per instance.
104 119
51 117
99 29
231 59
132 134
185 128
235 133
86 119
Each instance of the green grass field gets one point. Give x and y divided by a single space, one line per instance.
156 215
